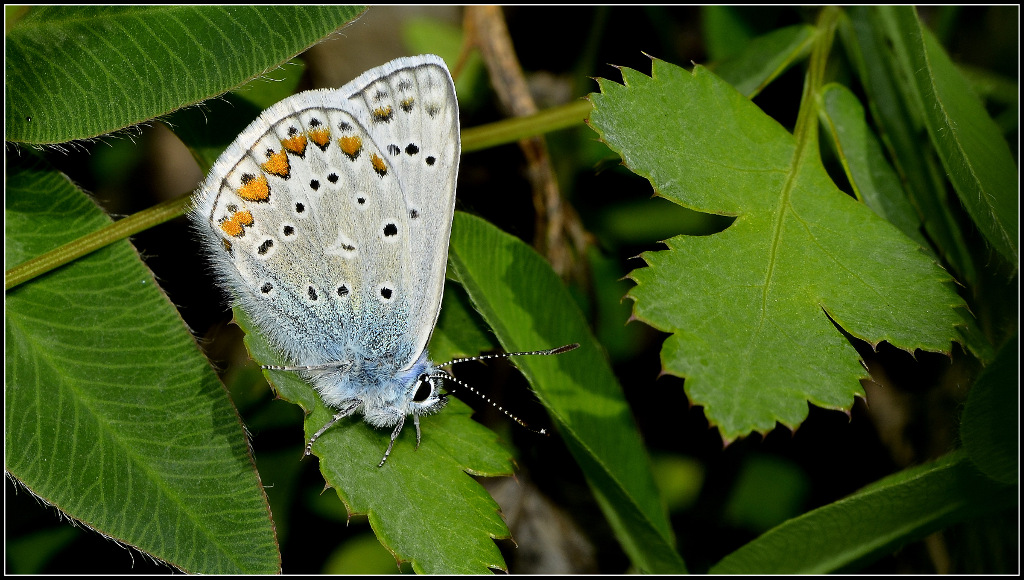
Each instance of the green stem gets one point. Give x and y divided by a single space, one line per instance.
512 130
806 130
101 238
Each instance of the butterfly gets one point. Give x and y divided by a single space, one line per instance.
328 221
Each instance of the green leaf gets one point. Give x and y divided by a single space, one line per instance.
233 113
970 145
990 426
459 331
29 554
874 181
725 31
873 522
80 72
900 129
768 491
753 310
766 57
528 308
419 495
111 412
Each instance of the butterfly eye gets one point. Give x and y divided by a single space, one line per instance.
424 389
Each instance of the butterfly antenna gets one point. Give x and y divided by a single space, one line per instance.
558 350
445 376
448 377
343 365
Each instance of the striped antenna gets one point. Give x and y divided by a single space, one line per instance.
343 365
445 376
558 350
448 377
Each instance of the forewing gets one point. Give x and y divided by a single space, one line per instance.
414 120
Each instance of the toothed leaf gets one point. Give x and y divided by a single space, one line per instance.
756 312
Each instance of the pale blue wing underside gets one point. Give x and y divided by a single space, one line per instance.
329 217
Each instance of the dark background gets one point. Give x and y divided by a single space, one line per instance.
828 457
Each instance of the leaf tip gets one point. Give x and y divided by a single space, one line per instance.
864 397
726 441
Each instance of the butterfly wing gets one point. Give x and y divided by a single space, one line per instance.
329 216
415 122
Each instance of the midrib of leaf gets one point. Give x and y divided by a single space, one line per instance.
806 136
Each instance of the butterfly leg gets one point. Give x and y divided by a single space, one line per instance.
344 412
394 435
416 421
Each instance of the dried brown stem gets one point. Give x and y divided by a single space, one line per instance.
486 30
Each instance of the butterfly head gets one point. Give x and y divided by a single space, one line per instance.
423 384
426 397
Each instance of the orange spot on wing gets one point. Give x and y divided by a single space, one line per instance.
254 188
235 225
296 145
232 228
378 165
351 145
322 137
243 217
277 164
